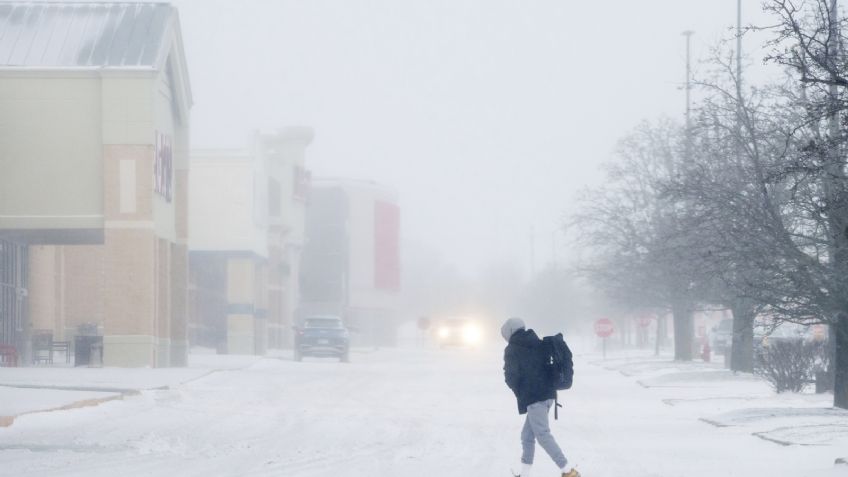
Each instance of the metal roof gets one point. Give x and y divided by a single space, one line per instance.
83 35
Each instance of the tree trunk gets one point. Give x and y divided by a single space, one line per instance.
661 332
840 361
742 348
684 331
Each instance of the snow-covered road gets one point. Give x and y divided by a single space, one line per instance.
408 412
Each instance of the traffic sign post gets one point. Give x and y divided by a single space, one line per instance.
604 328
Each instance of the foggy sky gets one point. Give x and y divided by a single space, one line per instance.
485 115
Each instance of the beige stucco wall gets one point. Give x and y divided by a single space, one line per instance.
127 109
241 293
129 351
50 135
241 338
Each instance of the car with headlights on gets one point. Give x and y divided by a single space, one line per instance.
458 332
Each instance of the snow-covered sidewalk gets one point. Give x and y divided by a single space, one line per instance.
47 389
724 399
418 413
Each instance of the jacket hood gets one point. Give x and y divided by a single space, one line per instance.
526 338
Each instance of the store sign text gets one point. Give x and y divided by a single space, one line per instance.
163 167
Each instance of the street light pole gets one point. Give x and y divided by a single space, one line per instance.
688 34
739 51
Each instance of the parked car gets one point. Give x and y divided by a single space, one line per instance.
457 332
767 334
722 336
322 336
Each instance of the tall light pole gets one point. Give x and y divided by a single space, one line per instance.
739 51
688 34
739 75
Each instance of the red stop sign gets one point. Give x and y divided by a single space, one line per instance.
604 328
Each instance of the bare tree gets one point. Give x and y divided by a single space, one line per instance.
770 181
810 41
756 216
728 210
631 231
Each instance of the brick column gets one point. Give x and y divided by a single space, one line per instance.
131 259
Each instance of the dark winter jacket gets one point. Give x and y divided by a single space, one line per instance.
526 371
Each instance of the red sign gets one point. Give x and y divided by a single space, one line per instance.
604 328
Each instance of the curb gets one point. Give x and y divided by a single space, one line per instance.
49 387
6 421
107 389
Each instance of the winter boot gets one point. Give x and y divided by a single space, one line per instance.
525 471
572 473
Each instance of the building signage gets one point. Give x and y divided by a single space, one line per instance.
163 166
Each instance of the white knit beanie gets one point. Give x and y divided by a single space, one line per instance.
510 327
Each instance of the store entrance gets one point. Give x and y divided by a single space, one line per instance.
13 293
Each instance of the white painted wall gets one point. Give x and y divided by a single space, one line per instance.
362 197
222 203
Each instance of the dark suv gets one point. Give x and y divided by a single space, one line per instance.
322 336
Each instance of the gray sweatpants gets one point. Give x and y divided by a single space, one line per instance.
536 428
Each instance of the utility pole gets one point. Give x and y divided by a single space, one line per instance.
739 52
688 34
834 188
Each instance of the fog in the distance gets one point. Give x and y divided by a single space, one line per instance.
486 116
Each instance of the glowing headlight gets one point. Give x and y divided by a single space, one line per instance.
471 335
444 332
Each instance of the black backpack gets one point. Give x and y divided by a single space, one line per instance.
560 365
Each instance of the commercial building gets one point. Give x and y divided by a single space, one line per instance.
94 139
247 229
351 260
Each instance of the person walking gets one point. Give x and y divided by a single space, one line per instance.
527 374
